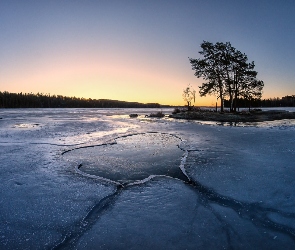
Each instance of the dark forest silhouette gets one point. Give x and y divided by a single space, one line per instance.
286 101
24 100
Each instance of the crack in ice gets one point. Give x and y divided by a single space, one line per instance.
252 212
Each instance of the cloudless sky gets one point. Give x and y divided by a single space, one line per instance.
135 50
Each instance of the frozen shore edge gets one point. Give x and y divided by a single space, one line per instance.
255 116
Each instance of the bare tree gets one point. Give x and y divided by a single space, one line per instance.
189 95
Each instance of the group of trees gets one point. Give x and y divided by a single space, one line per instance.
286 101
227 74
270 102
23 100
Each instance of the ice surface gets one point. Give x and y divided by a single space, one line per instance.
131 158
241 195
250 165
167 214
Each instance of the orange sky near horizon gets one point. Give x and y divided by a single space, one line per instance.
125 84
88 77
137 51
102 76
110 75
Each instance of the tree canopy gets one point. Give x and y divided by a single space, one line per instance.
227 73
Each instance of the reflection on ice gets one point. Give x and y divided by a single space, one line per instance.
287 123
143 117
131 158
26 125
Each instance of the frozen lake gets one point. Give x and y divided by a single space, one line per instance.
97 179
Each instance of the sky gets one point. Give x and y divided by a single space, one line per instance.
133 50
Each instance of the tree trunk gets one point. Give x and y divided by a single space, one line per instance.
221 102
230 99
220 93
236 90
236 99
229 90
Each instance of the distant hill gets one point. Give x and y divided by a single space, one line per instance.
30 100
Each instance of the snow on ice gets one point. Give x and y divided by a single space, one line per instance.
55 194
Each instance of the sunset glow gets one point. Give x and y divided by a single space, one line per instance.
137 51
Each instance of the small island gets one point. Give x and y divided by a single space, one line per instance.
229 76
255 115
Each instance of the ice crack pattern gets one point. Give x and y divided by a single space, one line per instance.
131 158
253 212
131 151
237 191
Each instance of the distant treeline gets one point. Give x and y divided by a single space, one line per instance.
24 100
286 101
